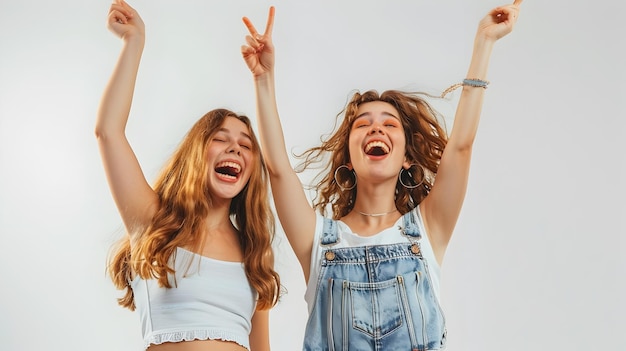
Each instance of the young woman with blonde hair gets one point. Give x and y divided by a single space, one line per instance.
197 263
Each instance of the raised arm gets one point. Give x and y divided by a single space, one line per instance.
133 196
441 208
296 215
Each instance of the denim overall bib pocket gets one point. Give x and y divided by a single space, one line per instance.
375 297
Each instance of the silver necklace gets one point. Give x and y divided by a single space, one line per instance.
377 214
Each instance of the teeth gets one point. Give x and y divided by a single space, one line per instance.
228 164
374 144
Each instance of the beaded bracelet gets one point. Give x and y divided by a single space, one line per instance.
473 82
470 82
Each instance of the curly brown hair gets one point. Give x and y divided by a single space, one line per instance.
425 142
183 191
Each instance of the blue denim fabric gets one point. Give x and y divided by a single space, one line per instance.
375 297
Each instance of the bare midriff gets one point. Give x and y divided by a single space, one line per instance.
198 345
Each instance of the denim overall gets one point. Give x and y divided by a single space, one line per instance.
375 297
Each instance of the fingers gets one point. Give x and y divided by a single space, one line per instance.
117 16
254 44
508 13
247 51
127 6
120 12
268 28
512 11
517 2
250 26
270 22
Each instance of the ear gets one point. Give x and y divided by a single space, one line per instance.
406 165
349 165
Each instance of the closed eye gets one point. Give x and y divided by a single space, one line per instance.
392 123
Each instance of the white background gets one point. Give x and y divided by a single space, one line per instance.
536 262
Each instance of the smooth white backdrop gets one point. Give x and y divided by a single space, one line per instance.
536 262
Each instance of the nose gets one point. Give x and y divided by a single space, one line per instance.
375 129
234 148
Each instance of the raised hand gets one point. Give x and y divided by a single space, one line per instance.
124 21
499 21
259 51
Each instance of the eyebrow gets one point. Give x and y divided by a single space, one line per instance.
384 113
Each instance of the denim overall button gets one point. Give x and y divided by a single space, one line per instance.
329 255
415 249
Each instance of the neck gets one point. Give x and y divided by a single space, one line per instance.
218 217
375 199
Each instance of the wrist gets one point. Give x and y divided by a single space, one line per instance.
263 78
483 43
134 40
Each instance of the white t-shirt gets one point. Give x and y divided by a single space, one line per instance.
346 238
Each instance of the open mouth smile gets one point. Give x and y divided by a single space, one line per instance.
376 148
228 170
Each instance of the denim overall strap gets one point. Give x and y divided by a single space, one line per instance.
329 233
410 227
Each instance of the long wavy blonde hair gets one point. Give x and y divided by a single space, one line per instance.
425 141
183 191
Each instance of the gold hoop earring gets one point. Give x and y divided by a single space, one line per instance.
339 183
405 173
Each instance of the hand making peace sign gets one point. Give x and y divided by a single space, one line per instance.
259 53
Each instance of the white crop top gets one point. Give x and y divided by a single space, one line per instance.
209 299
